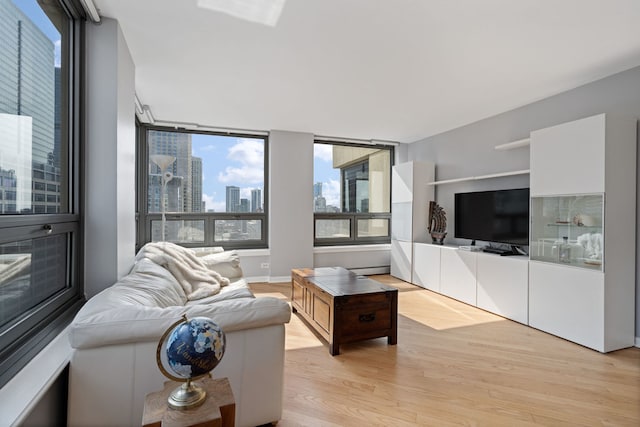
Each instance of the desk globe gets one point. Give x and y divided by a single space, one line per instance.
189 349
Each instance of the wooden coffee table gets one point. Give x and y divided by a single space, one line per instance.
343 306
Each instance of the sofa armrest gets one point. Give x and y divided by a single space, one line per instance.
135 323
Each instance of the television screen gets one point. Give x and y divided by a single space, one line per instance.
500 216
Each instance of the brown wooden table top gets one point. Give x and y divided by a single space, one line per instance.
338 281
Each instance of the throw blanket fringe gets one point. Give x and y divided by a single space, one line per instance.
192 274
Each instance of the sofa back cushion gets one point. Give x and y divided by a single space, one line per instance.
151 285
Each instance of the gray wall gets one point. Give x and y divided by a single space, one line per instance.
290 201
469 150
109 157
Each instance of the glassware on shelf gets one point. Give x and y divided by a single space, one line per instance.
568 230
564 252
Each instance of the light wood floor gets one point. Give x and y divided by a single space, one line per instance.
453 365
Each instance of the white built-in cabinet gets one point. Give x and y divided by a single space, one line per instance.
410 197
590 302
503 286
458 274
583 184
492 282
426 266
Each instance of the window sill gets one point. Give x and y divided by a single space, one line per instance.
352 248
20 395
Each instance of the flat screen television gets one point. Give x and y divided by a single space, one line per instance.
500 216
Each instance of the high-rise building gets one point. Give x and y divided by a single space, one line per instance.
196 185
28 91
256 200
317 189
244 205
179 191
320 204
233 198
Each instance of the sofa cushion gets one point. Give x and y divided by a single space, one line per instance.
152 285
237 289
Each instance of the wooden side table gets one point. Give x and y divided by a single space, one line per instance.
218 410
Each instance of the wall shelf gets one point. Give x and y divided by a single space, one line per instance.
475 178
515 144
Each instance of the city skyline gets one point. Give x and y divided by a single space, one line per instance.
228 161
30 150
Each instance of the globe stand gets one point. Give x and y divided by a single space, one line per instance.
190 349
188 395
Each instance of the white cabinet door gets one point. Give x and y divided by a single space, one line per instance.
458 274
567 302
426 266
503 286
401 221
401 259
568 158
402 183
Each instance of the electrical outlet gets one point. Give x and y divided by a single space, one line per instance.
264 265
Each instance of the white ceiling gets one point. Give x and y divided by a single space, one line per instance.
396 70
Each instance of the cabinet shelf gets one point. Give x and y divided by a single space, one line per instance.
561 224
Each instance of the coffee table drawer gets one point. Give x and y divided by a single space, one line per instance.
361 320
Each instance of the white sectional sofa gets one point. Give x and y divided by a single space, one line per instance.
115 335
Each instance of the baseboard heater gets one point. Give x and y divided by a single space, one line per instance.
366 271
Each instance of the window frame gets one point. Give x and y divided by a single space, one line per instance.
144 218
353 217
31 331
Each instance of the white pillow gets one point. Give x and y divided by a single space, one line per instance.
202 251
226 263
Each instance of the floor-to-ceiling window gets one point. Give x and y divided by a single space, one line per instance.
202 189
39 160
351 193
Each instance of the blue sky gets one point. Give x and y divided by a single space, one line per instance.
324 172
228 161
38 17
239 162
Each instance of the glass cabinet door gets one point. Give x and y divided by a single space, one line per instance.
568 230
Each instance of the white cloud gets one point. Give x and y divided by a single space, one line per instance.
245 192
210 203
331 192
57 52
250 155
323 152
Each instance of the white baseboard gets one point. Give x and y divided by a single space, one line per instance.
268 279
256 279
279 279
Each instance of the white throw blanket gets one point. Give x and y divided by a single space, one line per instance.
190 271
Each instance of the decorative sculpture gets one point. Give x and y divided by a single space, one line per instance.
437 223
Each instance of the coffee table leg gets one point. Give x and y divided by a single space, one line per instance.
393 338
334 349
